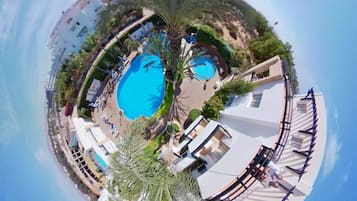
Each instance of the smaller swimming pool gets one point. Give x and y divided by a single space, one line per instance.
100 162
203 68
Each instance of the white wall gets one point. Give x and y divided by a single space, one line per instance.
65 36
265 133
270 109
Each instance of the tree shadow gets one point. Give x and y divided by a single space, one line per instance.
156 99
178 108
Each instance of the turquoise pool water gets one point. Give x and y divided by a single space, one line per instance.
100 161
204 68
141 90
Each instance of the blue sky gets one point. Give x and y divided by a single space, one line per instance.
323 37
28 170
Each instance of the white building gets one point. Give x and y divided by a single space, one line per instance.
92 142
75 24
268 124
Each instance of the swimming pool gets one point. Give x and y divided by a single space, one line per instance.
204 68
100 162
141 90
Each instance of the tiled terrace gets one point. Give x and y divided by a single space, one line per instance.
299 171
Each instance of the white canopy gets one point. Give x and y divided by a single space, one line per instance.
85 137
183 164
110 146
193 124
203 136
98 134
93 90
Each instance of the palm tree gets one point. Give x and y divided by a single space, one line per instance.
177 14
137 175
91 42
110 17
176 67
131 45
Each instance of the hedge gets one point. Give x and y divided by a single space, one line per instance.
194 113
211 108
106 62
207 35
166 103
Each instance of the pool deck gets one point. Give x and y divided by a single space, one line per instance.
110 108
193 94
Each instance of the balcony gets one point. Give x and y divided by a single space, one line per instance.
215 148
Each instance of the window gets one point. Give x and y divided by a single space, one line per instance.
256 99
83 32
73 27
69 20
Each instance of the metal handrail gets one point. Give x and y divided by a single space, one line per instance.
291 191
301 171
285 123
314 131
262 157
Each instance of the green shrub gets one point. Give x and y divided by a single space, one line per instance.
207 35
166 103
237 86
176 127
212 107
194 113
268 46
151 150
108 61
84 112
156 20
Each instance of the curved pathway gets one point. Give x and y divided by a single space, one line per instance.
146 15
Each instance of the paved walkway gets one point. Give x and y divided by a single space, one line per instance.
193 95
110 111
146 15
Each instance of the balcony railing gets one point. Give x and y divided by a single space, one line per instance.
238 186
285 123
290 191
310 131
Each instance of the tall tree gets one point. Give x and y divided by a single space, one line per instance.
112 16
137 175
177 15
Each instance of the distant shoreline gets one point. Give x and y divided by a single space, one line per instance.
62 168
51 149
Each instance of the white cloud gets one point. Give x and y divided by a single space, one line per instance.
8 116
332 153
335 115
42 156
345 177
41 16
8 14
346 174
